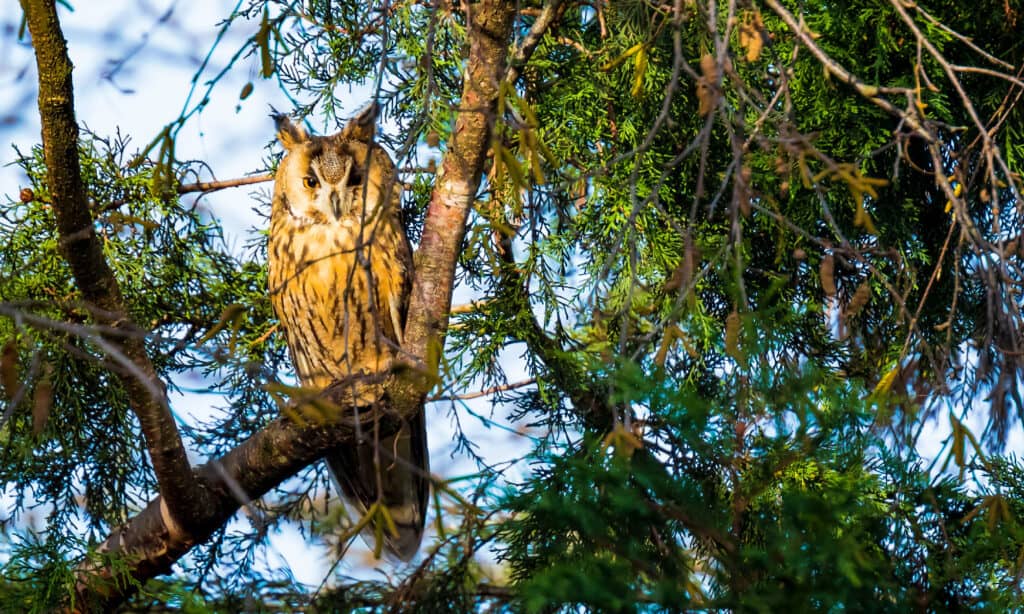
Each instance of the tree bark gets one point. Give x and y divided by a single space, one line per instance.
489 28
89 267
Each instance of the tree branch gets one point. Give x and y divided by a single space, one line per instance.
466 396
489 29
210 186
152 541
92 274
870 92
548 16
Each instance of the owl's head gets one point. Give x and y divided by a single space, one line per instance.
325 179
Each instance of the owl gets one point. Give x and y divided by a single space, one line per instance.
340 273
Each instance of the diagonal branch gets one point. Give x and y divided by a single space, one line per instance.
870 92
547 18
210 186
92 273
152 541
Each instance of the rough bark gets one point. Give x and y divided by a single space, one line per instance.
489 28
93 276
152 541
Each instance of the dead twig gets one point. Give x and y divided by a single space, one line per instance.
213 186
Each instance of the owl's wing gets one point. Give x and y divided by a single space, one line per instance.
403 461
404 479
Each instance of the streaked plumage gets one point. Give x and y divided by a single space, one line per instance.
340 274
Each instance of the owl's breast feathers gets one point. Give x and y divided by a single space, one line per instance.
339 289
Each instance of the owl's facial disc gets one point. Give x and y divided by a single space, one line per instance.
340 193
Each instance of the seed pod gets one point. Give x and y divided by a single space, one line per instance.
706 96
827 272
42 402
9 369
732 335
859 299
246 91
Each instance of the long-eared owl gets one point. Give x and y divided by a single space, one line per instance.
340 272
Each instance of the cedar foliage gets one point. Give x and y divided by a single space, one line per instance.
745 264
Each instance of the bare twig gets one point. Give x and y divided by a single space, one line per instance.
989 72
871 92
212 186
467 307
485 392
960 37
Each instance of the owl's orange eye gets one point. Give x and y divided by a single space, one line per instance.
310 182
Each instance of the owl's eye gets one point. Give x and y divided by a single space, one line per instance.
355 177
310 182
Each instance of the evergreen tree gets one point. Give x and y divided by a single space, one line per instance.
747 251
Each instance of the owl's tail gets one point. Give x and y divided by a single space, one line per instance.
404 470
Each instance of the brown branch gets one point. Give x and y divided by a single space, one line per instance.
989 72
467 307
545 19
211 186
489 29
93 276
960 37
871 92
152 541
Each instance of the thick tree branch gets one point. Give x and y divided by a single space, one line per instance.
92 274
490 26
152 541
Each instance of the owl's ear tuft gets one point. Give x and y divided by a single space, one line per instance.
288 133
363 125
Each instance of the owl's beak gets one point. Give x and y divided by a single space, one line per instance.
336 204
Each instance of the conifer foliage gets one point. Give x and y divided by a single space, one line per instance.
751 254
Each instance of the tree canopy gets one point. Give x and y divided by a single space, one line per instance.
748 252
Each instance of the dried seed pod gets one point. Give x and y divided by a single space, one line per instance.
859 299
827 272
9 369
706 95
732 335
42 402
